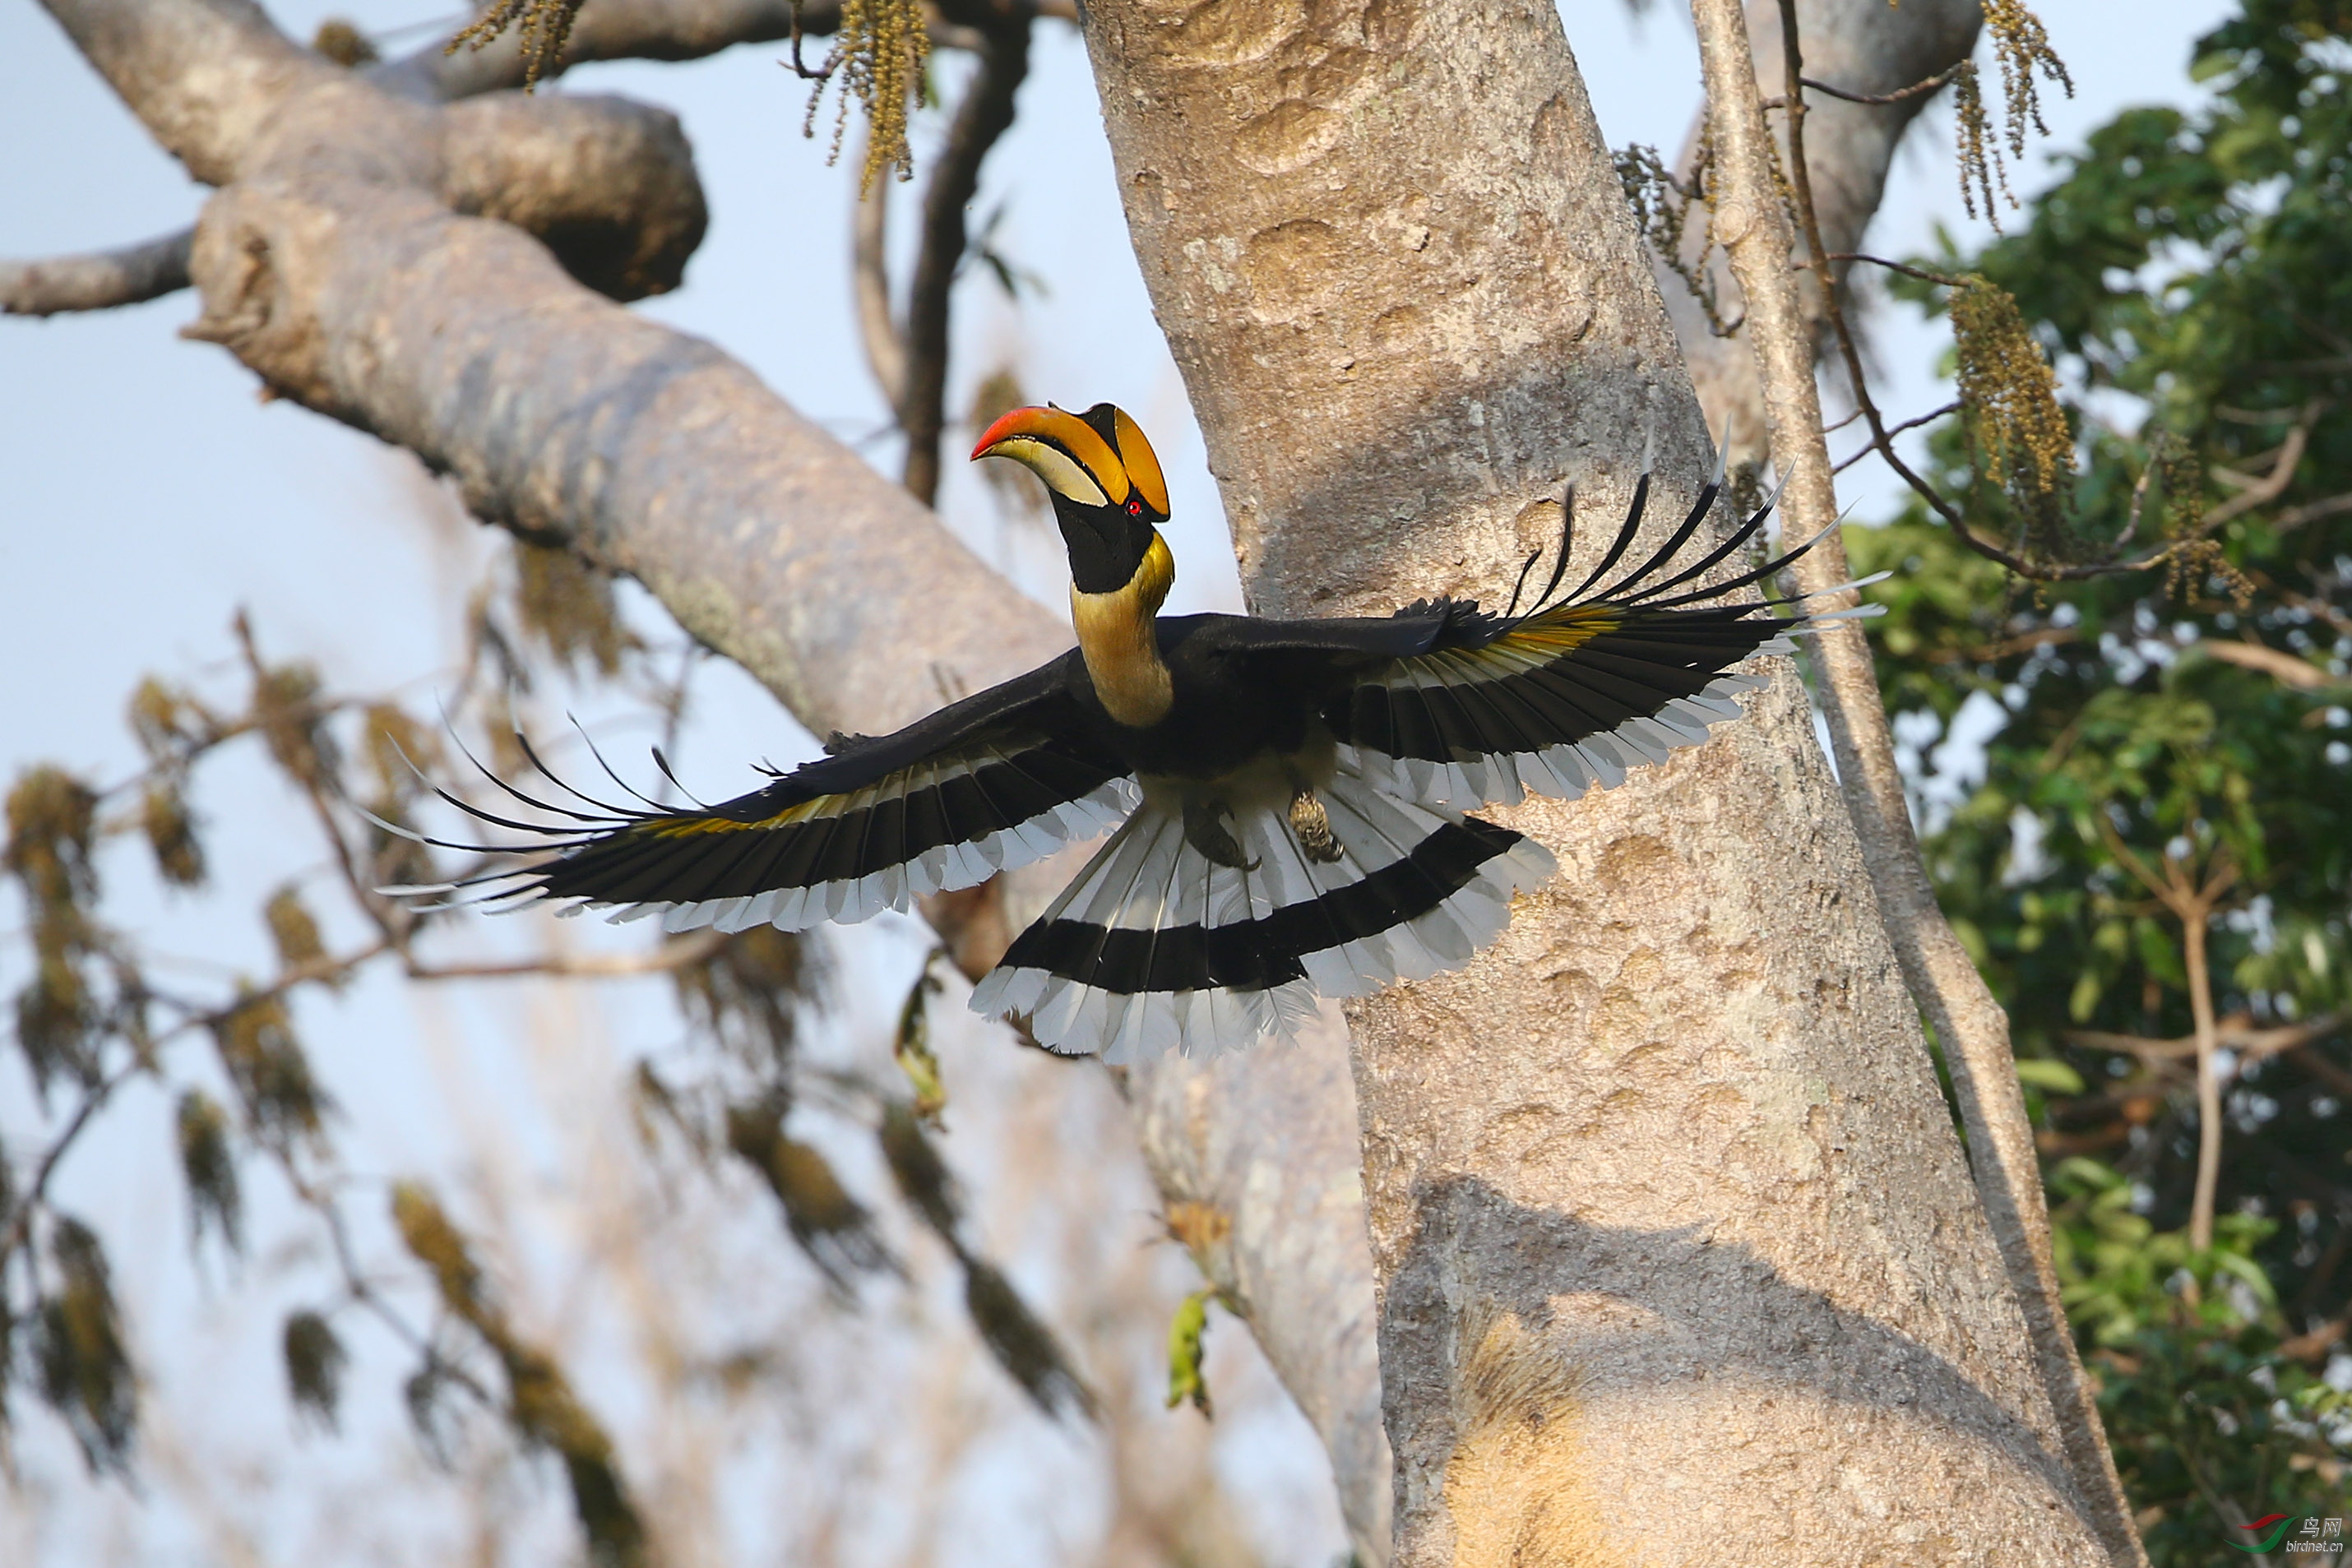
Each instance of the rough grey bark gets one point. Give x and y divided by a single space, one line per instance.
1865 47
1669 1221
332 265
1958 1005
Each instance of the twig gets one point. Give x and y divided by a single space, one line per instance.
20 1223
2231 1033
878 333
680 954
1900 95
1927 418
2262 492
1942 280
985 114
97 280
2191 900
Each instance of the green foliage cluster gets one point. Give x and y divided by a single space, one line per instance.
2169 727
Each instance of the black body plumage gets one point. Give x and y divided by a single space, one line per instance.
1289 819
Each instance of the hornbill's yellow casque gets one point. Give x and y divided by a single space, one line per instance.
1288 795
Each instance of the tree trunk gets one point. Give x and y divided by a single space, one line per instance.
1668 1217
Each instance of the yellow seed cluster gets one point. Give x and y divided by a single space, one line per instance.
2010 397
544 25
879 54
2021 45
2188 564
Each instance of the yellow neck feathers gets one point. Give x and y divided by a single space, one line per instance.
1117 640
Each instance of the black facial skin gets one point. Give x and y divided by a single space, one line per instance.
1105 543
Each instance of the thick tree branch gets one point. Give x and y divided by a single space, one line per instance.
611 29
338 272
985 114
99 280
1966 1019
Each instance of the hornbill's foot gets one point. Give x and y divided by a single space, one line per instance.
1208 835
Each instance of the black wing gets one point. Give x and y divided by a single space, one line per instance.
1464 707
1003 777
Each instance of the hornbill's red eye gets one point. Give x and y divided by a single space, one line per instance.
1135 508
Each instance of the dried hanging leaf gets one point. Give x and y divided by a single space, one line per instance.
1022 1344
83 1369
166 721
426 1230
829 1224
315 1359
208 1162
1662 208
425 1392
923 1178
653 1103
52 819
287 710
2009 397
170 830
398 747
911 1046
2022 46
293 930
542 1406
272 1072
567 606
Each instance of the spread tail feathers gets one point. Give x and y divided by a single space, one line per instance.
1155 946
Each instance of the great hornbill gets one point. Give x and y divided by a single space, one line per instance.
1288 796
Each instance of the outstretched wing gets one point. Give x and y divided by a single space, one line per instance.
999 780
1464 707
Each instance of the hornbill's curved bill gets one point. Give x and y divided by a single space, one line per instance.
1288 796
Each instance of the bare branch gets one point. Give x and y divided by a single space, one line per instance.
2232 1033
2260 492
680 954
2280 665
1942 978
98 281
985 114
1900 95
877 330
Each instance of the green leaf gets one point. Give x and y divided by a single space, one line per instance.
1186 1330
2049 1074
